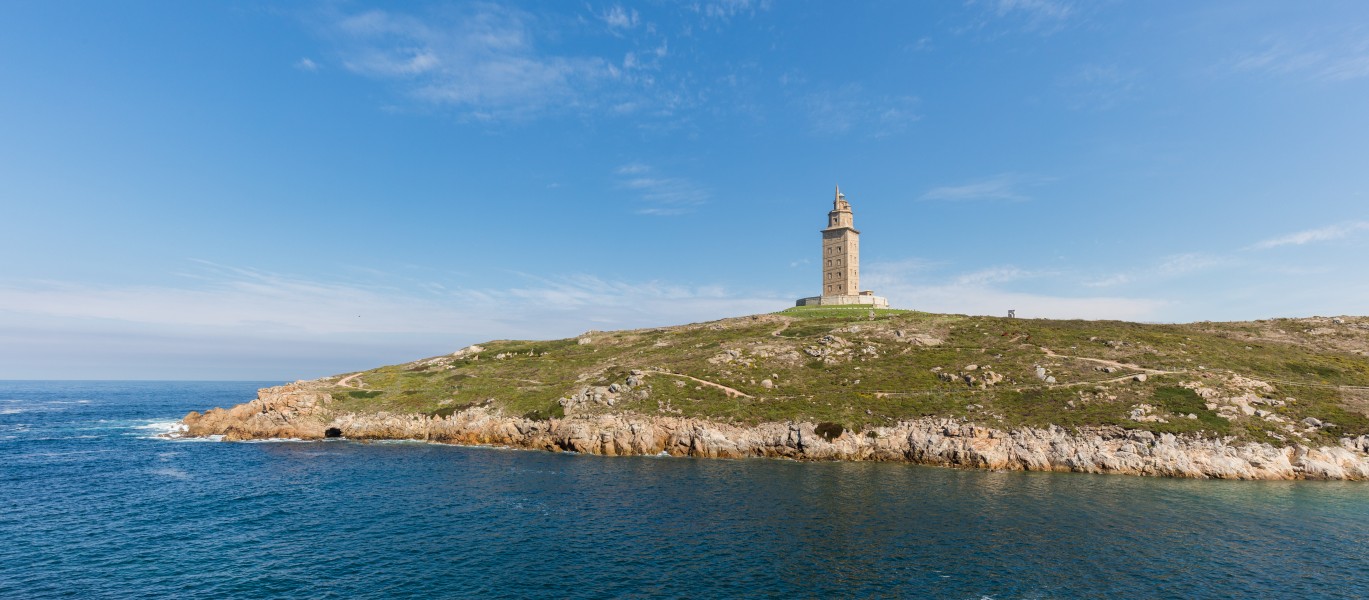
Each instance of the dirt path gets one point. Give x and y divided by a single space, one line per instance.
531 381
777 332
1328 386
731 392
1110 363
347 381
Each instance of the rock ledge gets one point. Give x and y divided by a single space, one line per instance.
300 410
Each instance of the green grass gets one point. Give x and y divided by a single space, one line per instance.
811 312
1183 401
877 371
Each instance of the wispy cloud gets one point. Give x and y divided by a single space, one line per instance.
215 296
1277 57
1167 267
984 292
727 9
1036 10
219 314
1192 262
995 275
1110 281
1004 187
1042 17
662 196
306 64
1323 234
896 269
489 62
1332 57
484 60
619 18
851 109
1098 87
1178 287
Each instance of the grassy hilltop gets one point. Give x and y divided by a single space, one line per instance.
1278 381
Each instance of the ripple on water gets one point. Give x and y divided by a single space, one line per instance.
93 507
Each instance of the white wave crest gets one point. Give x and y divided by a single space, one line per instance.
171 472
162 430
206 438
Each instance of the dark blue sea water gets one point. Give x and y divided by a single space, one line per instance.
92 504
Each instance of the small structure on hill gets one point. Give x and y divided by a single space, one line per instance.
841 262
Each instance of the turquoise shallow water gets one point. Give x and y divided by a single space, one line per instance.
93 505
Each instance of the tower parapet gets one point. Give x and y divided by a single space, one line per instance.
841 261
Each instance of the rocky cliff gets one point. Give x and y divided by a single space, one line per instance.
305 410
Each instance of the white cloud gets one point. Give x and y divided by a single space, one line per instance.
1098 87
632 169
901 268
1035 9
663 196
1183 264
1167 267
850 108
1323 234
306 64
1003 187
1347 68
995 275
1278 57
985 300
491 62
620 18
1112 280
1041 17
907 285
1176 288
484 60
724 10
661 211
230 298
229 314
1331 56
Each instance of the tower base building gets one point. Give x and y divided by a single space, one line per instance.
866 298
841 262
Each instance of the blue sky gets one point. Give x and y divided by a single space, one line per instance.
277 191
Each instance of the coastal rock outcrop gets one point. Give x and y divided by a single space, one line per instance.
289 411
301 410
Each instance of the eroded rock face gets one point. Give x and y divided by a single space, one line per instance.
301 411
288 411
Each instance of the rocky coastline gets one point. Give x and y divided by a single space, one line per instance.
301 410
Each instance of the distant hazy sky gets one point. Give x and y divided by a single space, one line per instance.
288 190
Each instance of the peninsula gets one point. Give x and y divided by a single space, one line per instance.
1274 399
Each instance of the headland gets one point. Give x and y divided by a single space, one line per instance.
1271 399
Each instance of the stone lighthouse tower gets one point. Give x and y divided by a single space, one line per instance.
840 251
841 261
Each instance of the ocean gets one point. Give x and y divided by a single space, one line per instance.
93 504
